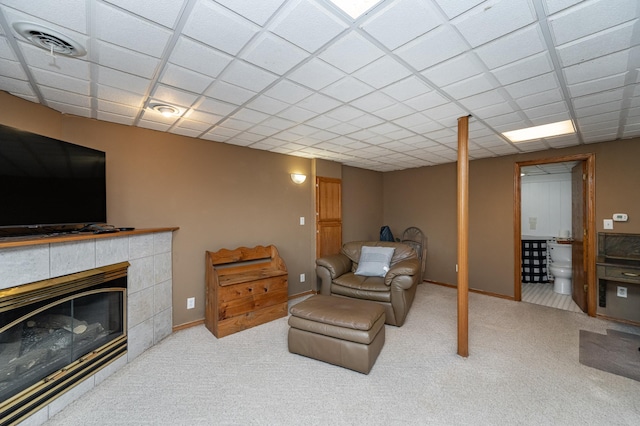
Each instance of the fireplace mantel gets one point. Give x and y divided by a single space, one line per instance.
149 293
32 240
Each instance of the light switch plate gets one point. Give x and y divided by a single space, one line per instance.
608 224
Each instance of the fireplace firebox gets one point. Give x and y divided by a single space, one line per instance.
56 332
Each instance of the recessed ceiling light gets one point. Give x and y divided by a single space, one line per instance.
165 110
539 132
355 8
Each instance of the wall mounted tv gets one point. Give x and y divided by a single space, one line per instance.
46 182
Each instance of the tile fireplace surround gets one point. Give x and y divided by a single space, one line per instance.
149 293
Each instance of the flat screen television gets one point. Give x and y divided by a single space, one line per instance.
46 182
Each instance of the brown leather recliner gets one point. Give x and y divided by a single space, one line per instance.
395 291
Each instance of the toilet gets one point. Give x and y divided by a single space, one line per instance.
560 267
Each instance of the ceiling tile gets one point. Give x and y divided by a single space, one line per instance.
119 96
318 103
432 48
164 12
599 44
5 50
373 102
122 80
198 57
176 76
59 81
257 11
553 6
116 57
307 25
593 16
483 100
454 8
492 20
288 92
524 68
274 54
315 74
297 114
345 113
382 72
427 101
402 21
541 98
350 53
204 120
597 85
547 110
216 107
248 76
267 105
394 111
115 108
229 93
614 63
250 116
70 109
122 29
347 89
492 110
218 27
174 96
14 69
471 86
599 98
453 70
512 47
408 88
64 97
533 85
115 118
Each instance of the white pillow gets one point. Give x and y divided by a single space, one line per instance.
374 261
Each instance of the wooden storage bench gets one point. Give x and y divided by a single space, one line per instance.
245 287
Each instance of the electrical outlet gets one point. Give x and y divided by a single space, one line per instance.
622 292
191 302
301 220
302 278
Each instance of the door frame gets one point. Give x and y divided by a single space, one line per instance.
590 229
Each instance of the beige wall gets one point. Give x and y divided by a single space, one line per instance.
219 195
428 197
361 204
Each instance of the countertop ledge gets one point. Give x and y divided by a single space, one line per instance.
31 240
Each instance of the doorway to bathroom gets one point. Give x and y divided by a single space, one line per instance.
577 227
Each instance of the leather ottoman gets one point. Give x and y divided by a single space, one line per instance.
341 331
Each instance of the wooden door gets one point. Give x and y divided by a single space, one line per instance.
328 216
578 226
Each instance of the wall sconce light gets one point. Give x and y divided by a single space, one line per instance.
298 178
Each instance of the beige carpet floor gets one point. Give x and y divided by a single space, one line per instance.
522 369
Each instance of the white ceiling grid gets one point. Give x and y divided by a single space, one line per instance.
300 77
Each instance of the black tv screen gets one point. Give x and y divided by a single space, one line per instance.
48 182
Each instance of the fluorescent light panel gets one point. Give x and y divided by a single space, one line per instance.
539 132
355 8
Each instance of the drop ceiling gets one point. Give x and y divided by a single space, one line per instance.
300 77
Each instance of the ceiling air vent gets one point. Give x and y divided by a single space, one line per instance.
49 39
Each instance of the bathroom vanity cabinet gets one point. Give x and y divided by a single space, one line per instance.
618 270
